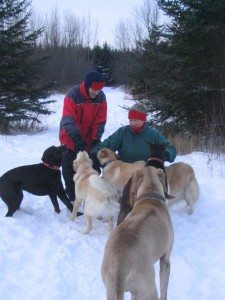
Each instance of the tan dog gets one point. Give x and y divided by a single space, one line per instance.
143 238
182 184
99 196
115 171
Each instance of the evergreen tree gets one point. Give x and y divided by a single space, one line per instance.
21 96
183 67
103 58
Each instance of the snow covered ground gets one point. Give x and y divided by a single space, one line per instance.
45 256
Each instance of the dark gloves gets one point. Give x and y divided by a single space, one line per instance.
94 143
80 145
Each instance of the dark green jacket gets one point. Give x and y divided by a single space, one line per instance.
132 147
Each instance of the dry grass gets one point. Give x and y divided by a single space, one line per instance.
187 144
23 127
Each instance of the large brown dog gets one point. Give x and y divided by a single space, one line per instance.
143 238
115 171
99 196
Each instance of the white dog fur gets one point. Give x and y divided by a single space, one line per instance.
99 196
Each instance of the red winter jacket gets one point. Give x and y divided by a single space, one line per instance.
82 116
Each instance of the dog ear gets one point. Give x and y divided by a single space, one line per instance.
161 175
137 179
103 153
52 156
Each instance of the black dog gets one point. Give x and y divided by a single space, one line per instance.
40 179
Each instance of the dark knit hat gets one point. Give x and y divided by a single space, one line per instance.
138 111
94 80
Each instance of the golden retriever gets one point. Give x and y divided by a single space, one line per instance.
115 171
99 196
143 238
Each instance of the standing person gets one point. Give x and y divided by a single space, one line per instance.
82 124
133 142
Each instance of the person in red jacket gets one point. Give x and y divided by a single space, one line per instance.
82 124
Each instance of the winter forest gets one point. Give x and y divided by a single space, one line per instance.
170 56
176 67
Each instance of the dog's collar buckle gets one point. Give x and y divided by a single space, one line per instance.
50 167
151 195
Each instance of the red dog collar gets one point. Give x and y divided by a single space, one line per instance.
51 167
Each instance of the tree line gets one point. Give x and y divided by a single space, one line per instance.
177 69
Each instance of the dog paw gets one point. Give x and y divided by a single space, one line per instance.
57 210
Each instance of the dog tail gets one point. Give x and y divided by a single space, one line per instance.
191 194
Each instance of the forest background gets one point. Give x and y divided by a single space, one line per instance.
176 68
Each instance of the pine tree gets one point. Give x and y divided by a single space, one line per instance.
198 41
185 67
21 94
103 58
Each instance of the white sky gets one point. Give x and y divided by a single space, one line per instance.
106 12
45 256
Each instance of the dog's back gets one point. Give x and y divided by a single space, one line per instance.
100 197
183 184
34 179
118 172
115 171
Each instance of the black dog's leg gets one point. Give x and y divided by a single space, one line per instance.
62 196
66 201
10 212
55 203
13 206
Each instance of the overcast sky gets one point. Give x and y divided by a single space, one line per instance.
106 12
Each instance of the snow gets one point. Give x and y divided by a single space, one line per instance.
45 256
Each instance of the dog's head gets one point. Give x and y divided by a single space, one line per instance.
82 158
53 155
158 150
157 156
149 179
105 155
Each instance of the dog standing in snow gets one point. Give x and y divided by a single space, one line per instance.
99 196
39 179
143 238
